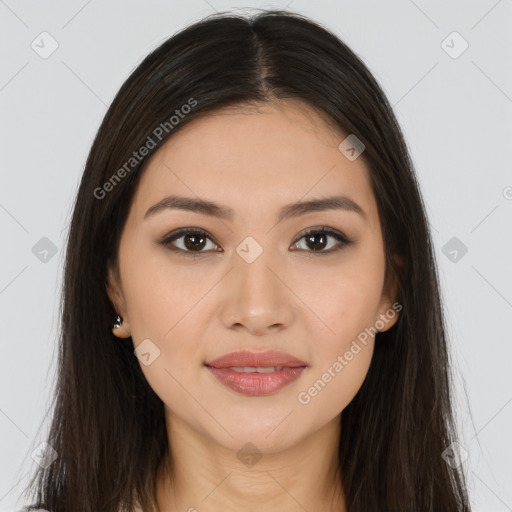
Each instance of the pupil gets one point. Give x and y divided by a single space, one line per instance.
194 244
313 239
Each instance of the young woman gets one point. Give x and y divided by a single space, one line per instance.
251 315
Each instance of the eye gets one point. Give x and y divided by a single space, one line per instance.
194 241
317 239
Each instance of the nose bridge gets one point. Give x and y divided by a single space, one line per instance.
256 297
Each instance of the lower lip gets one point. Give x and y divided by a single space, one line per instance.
256 384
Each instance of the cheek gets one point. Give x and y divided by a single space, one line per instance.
342 358
346 299
164 305
158 294
331 389
161 307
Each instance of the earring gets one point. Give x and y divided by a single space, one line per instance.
117 322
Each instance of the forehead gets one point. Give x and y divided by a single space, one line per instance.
255 158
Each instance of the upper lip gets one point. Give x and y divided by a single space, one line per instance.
256 359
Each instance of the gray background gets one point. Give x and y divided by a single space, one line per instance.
457 117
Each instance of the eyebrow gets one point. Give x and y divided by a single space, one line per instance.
289 211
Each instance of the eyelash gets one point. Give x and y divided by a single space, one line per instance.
342 239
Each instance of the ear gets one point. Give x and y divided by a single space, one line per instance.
389 306
116 296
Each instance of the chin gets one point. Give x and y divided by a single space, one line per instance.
270 435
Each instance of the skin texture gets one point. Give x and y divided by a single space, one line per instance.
292 299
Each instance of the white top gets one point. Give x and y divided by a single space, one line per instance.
35 510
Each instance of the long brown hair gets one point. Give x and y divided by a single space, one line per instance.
108 425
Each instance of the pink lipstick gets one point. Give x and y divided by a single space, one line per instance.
256 373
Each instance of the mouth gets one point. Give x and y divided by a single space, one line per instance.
256 369
256 373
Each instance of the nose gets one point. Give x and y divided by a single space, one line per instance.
256 296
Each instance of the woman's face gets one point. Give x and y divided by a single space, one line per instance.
253 281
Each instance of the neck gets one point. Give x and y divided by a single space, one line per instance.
207 476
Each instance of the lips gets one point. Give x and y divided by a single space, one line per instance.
267 359
256 373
